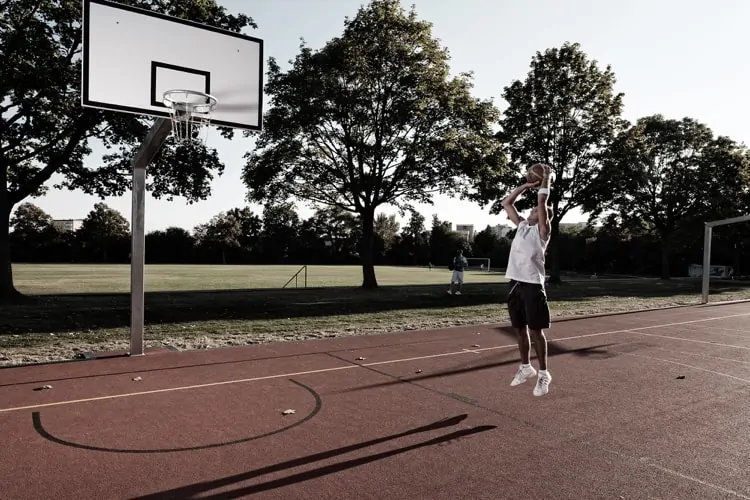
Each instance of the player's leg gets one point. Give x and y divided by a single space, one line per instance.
537 309
518 320
453 281
540 347
459 281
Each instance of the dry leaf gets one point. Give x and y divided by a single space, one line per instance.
360 358
475 345
419 371
137 379
288 412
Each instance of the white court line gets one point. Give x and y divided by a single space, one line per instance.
744 334
704 356
691 340
338 368
650 463
694 479
685 365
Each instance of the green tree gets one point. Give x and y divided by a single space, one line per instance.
372 118
444 242
102 229
251 227
671 175
485 242
565 114
171 245
281 225
29 220
416 240
44 131
338 229
33 233
386 229
222 232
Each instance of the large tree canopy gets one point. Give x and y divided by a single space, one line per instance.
372 118
565 114
672 176
44 131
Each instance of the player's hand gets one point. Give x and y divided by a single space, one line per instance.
530 185
547 170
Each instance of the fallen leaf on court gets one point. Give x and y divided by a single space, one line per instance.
419 371
475 345
680 377
43 388
137 379
288 412
360 358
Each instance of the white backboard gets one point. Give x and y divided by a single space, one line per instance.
131 56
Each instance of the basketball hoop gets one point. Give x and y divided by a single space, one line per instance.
190 112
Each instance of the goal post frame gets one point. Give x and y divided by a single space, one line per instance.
707 236
487 259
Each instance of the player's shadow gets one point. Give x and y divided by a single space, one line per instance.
193 490
553 349
91 312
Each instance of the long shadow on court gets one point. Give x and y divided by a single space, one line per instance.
203 488
89 312
554 349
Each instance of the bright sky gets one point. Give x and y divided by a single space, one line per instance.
675 57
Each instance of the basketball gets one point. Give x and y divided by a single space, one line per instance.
535 173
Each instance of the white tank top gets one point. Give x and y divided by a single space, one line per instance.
526 261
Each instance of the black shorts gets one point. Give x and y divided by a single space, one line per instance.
527 305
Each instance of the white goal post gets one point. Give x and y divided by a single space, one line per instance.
478 263
707 234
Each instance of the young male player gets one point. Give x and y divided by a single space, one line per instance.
527 299
457 278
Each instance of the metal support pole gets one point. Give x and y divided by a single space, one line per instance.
151 145
707 233
137 261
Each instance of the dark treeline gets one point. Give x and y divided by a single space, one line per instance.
331 236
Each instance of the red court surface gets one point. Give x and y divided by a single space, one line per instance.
644 405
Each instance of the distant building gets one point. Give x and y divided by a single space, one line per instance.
466 230
501 230
573 225
67 225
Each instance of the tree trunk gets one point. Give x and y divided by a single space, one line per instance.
665 247
366 251
554 252
7 291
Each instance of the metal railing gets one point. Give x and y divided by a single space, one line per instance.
296 278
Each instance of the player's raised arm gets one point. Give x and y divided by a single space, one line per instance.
543 212
510 200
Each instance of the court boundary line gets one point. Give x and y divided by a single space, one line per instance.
695 341
359 365
704 356
662 360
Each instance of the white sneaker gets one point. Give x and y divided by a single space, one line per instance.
450 293
522 374
458 292
542 384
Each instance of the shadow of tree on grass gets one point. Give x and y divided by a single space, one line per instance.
87 312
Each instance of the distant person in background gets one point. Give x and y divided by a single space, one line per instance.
458 266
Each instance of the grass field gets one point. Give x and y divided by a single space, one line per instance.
72 309
57 279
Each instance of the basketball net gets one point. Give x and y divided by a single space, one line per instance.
190 112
